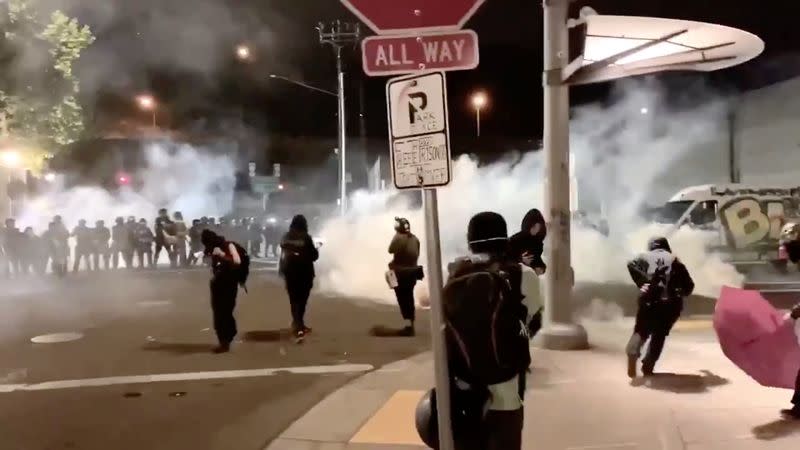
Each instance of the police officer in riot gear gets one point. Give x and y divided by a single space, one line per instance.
120 243
100 248
83 246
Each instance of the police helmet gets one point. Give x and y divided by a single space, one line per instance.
402 225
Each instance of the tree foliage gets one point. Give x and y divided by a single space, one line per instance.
39 92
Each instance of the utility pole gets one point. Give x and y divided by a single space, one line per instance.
339 35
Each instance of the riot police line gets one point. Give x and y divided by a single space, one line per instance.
128 243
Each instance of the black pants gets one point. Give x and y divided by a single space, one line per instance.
653 322
499 430
144 254
796 397
299 290
170 253
405 295
223 302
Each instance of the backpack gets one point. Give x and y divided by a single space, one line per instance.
243 269
487 339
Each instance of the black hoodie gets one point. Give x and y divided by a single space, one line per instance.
298 252
524 242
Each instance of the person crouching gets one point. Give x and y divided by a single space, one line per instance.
224 286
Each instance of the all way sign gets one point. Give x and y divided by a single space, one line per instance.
396 55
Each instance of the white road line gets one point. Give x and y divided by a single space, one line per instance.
190 376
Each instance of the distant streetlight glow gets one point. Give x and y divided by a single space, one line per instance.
644 110
280 187
243 52
147 103
10 159
479 101
50 177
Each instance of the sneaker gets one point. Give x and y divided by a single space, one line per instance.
299 336
793 413
632 366
647 370
306 330
222 348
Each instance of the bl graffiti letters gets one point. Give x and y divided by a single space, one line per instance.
748 221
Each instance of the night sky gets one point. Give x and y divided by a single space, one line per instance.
510 70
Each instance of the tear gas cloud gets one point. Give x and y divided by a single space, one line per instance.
179 177
620 154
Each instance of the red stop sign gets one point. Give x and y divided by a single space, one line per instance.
403 16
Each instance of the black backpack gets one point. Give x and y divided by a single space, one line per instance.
243 269
487 339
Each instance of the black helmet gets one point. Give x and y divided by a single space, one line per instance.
82 223
659 243
119 220
402 225
100 223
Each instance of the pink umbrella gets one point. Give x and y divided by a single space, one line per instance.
757 337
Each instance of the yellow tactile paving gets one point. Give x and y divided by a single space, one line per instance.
693 325
393 424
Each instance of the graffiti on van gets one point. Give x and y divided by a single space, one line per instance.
748 221
762 192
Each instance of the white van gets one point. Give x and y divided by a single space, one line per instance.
748 218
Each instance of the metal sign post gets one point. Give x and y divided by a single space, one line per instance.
420 151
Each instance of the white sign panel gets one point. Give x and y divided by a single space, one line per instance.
418 131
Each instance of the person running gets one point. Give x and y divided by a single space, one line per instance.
224 286
663 282
298 254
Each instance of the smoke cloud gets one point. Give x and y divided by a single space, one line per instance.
620 153
179 177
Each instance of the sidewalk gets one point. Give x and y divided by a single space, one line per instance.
576 401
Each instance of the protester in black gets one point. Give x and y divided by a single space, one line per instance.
404 249
484 302
181 233
298 254
663 282
527 245
224 286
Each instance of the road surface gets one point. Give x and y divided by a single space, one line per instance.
99 392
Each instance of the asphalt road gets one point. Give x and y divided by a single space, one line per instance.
143 324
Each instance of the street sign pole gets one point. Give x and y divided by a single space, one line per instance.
560 331
420 148
435 284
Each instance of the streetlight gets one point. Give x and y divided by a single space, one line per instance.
644 110
10 159
147 103
243 52
479 101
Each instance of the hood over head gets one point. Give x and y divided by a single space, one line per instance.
531 218
299 223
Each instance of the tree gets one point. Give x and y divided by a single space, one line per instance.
38 96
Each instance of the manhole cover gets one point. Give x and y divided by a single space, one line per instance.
56 338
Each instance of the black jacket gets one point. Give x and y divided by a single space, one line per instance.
298 254
667 276
524 242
